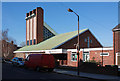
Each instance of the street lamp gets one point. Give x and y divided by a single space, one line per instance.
78 48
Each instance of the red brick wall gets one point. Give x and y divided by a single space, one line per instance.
69 62
39 25
116 41
70 44
107 60
39 20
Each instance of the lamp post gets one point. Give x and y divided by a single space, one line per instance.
78 48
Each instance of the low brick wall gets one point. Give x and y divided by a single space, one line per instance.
93 68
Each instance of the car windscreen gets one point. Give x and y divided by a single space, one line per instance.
20 59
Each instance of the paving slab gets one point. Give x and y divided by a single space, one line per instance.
89 75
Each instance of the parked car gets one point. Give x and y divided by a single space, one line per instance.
40 61
18 61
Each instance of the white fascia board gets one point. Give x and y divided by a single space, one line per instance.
29 51
90 49
116 29
53 51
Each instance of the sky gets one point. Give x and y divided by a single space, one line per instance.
99 17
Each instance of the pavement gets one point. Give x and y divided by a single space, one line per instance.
89 75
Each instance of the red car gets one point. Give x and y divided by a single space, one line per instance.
40 61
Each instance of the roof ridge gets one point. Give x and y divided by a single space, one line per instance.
75 31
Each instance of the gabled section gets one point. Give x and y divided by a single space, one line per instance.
48 32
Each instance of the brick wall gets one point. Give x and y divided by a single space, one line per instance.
7 49
116 41
39 24
107 60
34 26
70 44
69 62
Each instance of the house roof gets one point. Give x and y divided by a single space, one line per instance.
53 42
117 28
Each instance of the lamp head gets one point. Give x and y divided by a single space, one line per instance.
69 10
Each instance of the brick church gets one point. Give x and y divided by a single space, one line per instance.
42 39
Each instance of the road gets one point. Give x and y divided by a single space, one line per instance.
10 72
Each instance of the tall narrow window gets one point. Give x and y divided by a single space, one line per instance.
88 43
34 41
30 42
85 40
27 42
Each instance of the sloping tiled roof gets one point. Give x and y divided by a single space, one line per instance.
53 42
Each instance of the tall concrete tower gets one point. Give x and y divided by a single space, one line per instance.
36 29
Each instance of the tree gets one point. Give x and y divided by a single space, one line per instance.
5 35
7 44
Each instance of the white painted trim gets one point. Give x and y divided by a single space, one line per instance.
116 58
104 55
53 51
62 50
116 29
91 49
88 53
117 54
32 15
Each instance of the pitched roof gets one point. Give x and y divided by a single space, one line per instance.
53 42
117 28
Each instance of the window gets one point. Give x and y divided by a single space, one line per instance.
20 59
74 56
34 41
27 58
85 40
104 54
30 42
90 41
27 42
86 56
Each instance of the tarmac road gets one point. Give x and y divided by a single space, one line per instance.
10 72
